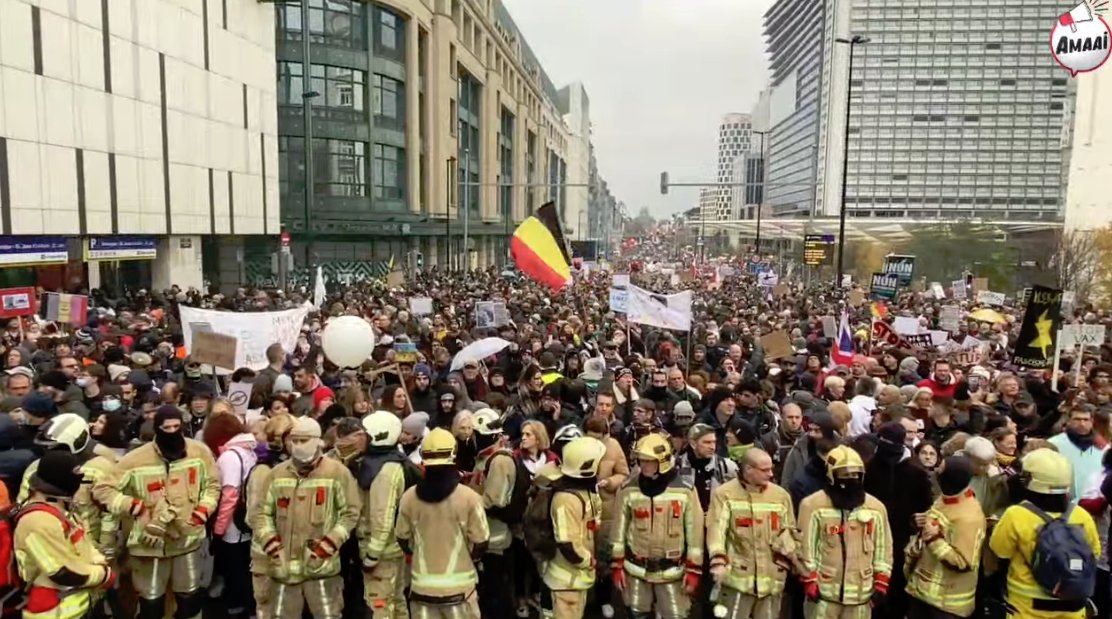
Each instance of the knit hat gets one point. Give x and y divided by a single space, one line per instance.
698 431
166 412
415 423
910 364
282 382
58 474
980 449
320 394
683 413
957 471
115 371
39 405
422 369
305 427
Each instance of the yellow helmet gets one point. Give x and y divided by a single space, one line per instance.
1047 472
656 448
843 461
438 448
582 457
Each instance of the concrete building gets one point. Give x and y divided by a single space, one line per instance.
748 168
576 107
433 117
131 132
734 139
935 130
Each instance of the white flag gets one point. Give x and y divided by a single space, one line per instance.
319 293
667 311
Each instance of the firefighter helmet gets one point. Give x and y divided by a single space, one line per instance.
1047 472
383 428
656 448
843 462
438 448
582 457
68 431
487 422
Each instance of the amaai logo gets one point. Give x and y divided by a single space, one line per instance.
1079 40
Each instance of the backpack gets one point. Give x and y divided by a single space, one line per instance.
239 514
540 535
514 511
11 584
1063 564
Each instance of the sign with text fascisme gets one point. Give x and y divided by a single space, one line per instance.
988 297
901 266
121 248
215 349
816 249
255 331
884 285
27 250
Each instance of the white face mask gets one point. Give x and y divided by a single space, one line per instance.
305 453
82 382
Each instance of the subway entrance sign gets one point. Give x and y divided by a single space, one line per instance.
817 249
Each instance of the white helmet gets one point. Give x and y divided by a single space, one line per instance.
66 430
487 422
383 428
567 433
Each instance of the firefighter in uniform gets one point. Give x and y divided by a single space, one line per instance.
277 428
847 545
493 478
1049 478
382 481
69 432
312 505
63 571
657 547
170 487
443 526
750 526
576 515
944 559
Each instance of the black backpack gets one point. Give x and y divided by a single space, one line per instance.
239 514
514 511
1063 563
540 535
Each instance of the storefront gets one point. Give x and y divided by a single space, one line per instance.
76 265
120 263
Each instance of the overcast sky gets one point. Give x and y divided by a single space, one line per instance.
659 74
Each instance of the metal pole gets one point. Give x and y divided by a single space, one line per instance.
307 110
845 164
466 203
448 189
509 215
757 242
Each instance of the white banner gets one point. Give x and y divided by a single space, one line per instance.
987 297
667 311
254 330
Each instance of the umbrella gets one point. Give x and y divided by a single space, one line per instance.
479 350
988 315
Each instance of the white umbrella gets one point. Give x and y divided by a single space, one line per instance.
476 351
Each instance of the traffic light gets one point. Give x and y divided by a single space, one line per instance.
663 183
420 260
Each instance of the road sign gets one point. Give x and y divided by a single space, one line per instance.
816 249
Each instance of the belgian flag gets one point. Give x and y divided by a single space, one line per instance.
539 250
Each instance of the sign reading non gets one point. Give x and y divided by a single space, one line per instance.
885 285
901 266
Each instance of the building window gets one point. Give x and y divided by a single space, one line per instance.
338 87
388 172
506 165
389 101
339 166
389 33
337 23
469 155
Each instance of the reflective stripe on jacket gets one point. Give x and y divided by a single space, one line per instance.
742 526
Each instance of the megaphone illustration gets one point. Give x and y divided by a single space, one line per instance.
1078 14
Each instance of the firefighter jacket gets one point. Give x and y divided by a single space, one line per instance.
657 538
310 516
576 516
441 536
380 511
942 572
257 485
744 524
58 562
100 525
494 478
1013 539
846 552
169 493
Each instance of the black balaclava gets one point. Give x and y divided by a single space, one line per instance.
957 471
171 444
482 441
438 483
652 486
846 493
890 442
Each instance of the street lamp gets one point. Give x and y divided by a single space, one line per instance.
852 42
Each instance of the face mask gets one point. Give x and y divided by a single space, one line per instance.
305 453
171 444
110 405
82 382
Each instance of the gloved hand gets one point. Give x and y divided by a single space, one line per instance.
880 590
109 581
369 565
153 534
136 508
618 575
199 517
717 572
811 587
273 547
691 581
324 548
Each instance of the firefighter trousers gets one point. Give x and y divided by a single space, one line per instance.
323 596
261 586
832 610
668 598
918 609
154 576
468 609
568 604
741 606
384 589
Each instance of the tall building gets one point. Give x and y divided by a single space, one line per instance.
575 105
748 193
132 134
937 128
428 120
734 139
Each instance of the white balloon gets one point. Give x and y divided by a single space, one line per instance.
348 341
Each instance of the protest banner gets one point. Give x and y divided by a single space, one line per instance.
1035 346
884 285
18 302
254 331
901 266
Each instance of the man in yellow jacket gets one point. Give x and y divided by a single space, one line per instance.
750 517
576 515
277 428
1014 537
494 478
443 526
943 561
311 507
170 487
64 572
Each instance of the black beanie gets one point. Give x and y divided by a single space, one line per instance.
165 412
57 473
957 471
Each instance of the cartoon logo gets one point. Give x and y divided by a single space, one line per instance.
1079 41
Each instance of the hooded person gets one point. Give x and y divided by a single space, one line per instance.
818 424
422 394
905 490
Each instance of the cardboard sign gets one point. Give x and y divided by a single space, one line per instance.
420 306
856 298
969 356
920 340
979 284
1083 335
395 279
215 349
957 289
829 327
777 345
937 291
950 317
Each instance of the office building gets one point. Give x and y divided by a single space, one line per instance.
1088 201
734 139
747 172
132 133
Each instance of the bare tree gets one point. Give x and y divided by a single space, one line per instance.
1074 262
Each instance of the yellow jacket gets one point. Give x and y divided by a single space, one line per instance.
576 516
1013 540
493 479
656 538
846 552
743 524
167 490
380 508
99 524
441 537
942 572
257 485
51 547
302 513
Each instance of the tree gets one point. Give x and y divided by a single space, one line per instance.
945 251
1102 272
1075 261
863 258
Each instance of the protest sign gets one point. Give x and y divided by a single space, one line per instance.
215 349
420 306
1034 348
901 266
18 302
405 352
949 318
906 325
239 394
987 297
777 345
957 289
254 331
884 285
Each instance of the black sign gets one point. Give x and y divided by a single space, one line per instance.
884 285
816 249
903 266
1034 348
